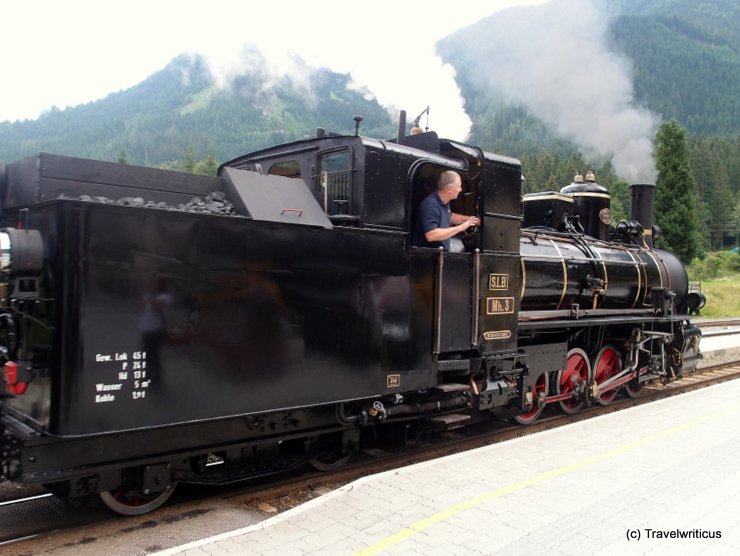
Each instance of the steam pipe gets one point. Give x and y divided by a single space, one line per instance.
401 127
357 420
418 118
426 407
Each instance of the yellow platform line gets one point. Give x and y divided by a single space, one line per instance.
426 523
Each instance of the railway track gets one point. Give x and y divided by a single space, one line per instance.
713 333
38 515
717 323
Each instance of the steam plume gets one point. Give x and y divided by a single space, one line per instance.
555 61
388 53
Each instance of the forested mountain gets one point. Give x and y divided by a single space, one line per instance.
156 121
686 58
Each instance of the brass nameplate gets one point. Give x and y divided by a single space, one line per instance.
498 281
499 305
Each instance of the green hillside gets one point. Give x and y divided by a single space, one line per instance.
154 122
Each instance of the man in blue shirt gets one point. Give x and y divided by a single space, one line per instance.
436 223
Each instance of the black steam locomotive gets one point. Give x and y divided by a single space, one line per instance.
159 327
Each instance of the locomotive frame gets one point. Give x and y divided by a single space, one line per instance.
165 338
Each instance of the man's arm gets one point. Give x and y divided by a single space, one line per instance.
440 234
458 218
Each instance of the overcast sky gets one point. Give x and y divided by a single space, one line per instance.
67 52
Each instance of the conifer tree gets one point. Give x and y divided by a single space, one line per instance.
209 165
190 160
676 197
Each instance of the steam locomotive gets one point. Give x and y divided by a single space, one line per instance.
159 327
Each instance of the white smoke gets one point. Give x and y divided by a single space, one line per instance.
388 54
555 60
249 60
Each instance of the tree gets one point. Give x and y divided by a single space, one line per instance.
709 168
735 221
209 165
190 161
122 158
676 196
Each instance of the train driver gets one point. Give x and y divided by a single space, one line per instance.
436 223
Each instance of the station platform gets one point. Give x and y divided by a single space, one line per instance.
661 478
722 343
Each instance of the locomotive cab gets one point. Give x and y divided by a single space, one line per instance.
377 186
454 313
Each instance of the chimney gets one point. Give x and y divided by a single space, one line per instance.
643 200
401 128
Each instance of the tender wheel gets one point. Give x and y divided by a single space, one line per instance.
573 378
608 363
540 388
134 503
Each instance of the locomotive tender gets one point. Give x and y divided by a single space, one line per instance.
211 329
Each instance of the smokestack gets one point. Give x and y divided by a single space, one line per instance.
643 200
401 127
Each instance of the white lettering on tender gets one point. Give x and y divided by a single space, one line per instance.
102 398
100 357
107 387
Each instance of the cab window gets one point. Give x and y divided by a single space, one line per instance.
287 168
334 182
